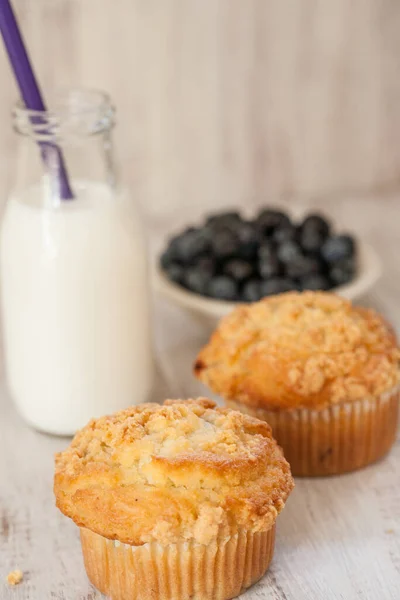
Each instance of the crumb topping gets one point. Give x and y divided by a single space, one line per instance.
14 577
300 349
184 469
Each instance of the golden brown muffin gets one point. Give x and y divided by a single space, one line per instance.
314 366
178 487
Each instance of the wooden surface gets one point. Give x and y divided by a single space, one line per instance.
337 538
228 100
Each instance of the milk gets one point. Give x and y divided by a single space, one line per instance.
75 306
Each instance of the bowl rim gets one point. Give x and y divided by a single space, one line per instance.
370 270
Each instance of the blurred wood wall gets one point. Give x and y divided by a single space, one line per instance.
228 101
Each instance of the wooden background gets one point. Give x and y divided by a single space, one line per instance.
229 101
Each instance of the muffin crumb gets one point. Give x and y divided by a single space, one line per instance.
15 577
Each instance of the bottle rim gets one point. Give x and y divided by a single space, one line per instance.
76 112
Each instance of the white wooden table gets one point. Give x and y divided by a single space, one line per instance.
338 538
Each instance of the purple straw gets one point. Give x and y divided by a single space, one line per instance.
30 92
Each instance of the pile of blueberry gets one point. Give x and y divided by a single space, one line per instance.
231 258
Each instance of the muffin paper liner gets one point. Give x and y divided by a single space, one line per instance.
336 439
220 570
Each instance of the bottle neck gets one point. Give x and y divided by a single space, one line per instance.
71 143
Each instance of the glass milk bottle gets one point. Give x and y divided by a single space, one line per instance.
75 295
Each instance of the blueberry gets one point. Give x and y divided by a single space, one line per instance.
196 280
173 244
287 251
302 266
284 233
277 285
206 264
316 223
343 272
338 248
269 267
175 272
266 250
190 244
223 218
223 288
252 291
239 269
225 244
172 252
268 220
315 282
311 240
248 239
167 258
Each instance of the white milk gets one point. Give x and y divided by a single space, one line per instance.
75 307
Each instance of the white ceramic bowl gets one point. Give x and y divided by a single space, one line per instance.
369 271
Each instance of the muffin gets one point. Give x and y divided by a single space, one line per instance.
175 501
323 373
